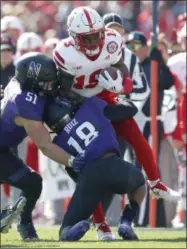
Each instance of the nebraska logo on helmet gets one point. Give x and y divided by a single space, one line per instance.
112 47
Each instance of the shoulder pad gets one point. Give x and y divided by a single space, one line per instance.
30 105
63 55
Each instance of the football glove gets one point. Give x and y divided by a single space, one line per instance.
77 163
108 83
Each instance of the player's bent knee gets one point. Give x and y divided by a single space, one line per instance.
139 178
32 184
37 180
136 179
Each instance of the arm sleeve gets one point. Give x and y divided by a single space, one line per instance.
165 77
118 112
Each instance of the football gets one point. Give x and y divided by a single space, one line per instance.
112 71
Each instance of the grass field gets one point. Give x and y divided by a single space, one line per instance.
158 238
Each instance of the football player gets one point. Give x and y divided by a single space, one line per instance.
85 130
22 109
89 49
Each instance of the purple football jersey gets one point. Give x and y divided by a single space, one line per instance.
22 103
89 132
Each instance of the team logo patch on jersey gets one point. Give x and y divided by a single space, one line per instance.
112 47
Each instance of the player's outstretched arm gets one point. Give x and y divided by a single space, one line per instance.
41 137
124 110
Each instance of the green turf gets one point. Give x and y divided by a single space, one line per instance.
159 238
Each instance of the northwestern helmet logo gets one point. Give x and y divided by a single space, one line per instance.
34 70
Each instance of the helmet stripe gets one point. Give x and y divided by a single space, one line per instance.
88 18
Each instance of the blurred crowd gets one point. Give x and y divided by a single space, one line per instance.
39 25
48 18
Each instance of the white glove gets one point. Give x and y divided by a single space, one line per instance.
110 84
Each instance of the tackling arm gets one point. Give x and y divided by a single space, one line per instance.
41 137
125 110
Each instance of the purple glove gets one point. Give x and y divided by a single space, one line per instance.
77 163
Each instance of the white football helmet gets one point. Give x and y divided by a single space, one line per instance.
29 42
86 27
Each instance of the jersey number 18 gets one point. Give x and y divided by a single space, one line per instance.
87 133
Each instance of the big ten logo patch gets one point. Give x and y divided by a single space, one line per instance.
112 47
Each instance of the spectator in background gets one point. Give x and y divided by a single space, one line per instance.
29 42
114 21
163 46
167 20
144 19
50 33
7 66
137 42
13 26
49 46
